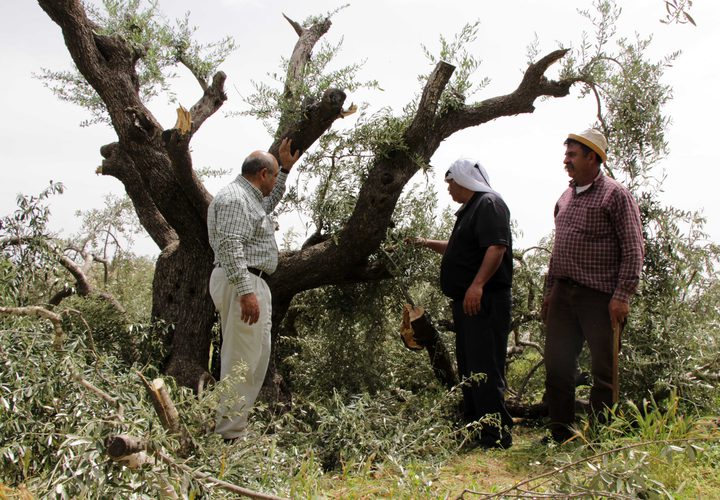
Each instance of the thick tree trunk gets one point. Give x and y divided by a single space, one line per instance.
181 298
156 170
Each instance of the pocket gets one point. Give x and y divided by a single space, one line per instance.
595 222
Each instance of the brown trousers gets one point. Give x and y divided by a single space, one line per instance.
576 314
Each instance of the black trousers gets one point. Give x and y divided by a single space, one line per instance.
576 314
481 347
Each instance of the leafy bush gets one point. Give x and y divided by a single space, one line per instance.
54 423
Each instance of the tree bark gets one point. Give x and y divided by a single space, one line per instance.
155 168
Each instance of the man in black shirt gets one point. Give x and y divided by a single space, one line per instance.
476 273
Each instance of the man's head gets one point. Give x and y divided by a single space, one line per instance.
261 169
466 177
584 153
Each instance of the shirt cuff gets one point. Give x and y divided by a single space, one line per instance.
242 283
622 295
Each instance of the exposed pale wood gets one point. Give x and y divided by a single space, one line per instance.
40 312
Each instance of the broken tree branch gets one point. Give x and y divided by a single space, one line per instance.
202 476
167 412
99 392
40 312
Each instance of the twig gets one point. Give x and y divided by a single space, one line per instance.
219 482
91 339
99 392
559 470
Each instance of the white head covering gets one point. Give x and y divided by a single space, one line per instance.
471 175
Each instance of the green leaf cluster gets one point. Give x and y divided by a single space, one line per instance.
160 44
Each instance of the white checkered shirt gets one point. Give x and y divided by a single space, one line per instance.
242 231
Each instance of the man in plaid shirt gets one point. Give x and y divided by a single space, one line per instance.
594 270
242 235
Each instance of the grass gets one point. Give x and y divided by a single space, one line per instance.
479 473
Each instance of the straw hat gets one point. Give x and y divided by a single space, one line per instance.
593 139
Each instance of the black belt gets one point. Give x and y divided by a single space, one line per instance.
254 270
571 282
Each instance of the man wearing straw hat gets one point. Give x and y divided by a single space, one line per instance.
594 270
476 272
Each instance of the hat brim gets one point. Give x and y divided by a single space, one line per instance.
590 144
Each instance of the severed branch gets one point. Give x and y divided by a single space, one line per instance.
316 117
40 312
99 392
316 120
202 476
124 445
177 144
132 450
307 38
167 413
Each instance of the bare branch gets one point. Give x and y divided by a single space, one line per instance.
296 26
83 286
533 85
427 107
118 164
39 312
202 476
213 98
308 37
99 392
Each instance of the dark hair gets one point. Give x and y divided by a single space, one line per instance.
253 164
586 149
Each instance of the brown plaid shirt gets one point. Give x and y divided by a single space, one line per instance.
598 239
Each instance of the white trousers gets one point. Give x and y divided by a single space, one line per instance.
243 345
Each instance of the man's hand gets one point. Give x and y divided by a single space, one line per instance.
414 241
619 310
287 159
473 296
250 310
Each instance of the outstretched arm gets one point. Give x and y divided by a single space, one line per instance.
438 246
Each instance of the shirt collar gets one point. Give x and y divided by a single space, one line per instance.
248 186
582 189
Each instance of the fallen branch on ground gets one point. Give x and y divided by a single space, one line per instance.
40 312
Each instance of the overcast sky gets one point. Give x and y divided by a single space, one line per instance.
40 137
